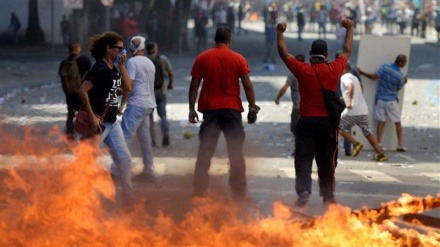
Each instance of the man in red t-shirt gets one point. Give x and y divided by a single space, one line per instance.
315 136
220 69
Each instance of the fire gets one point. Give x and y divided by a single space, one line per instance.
52 194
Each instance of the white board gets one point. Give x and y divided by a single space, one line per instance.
373 52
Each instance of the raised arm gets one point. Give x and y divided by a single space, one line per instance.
348 43
283 52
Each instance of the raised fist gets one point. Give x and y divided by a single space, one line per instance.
281 27
347 23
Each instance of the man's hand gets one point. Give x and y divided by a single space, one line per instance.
281 27
252 114
347 23
193 117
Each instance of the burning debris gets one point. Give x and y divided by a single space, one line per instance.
56 199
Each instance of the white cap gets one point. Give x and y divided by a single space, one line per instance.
140 46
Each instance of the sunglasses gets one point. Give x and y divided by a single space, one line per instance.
120 48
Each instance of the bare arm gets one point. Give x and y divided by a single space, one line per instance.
350 89
94 121
372 76
281 93
125 96
249 90
348 43
283 52
170 79
192 96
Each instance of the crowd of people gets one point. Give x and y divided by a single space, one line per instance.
133 83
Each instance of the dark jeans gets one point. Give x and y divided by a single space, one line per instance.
73 103
316 138
229 122
161 102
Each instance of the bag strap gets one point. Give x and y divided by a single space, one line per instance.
108 104
316 73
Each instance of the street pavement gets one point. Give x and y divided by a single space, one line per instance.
31 96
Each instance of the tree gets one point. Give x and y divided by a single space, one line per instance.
34 33
168 21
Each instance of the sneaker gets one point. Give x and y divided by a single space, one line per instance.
357 148
302 200
379 157
166 140
401 149
347 153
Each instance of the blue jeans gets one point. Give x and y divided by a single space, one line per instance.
113 137
136 120
161 102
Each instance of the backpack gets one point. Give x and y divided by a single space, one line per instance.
70 76
159 78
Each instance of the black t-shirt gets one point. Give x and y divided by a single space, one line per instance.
105 82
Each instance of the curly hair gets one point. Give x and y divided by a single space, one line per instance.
99 43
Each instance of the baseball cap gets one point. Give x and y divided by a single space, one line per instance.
319 47
141 46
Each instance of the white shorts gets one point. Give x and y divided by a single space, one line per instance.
382 109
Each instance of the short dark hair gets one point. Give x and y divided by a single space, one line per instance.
223 34
400 58
151 46
73 46
319 47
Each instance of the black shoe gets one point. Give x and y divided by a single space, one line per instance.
166 140
347 153
329 200
238 194
198 194
302 199
144 178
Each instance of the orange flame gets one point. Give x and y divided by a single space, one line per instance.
49 198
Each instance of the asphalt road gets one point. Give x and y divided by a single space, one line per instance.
31 96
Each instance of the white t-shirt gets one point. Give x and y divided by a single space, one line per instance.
141 70
359 106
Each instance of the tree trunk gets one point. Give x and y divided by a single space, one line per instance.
34 33
169 35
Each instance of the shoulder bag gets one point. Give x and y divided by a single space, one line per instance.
333 104
82 121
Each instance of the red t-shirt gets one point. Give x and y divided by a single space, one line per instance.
311 98
220 69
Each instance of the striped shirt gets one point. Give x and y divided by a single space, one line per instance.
391 79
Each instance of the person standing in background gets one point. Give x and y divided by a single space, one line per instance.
72 71
292 82
65 30
163 67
